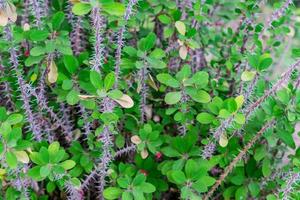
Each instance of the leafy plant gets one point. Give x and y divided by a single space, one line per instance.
154 99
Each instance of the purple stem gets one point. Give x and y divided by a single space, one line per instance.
25 95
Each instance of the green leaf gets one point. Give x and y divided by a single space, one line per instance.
70 63
109 81
37 51
44 171
147 43
296 53
200 96
147 188
180 26
177 177
96 79
266 167
68 164
200 79
14 119
184 73
34 157
155 63
168 80
203 183
114 8
31 60
191 169
67 85
126 196
115 94
286 137
265 61
284 96
248 75
172 97
81 8
241 193
239 118
272 197
165 19
139 179
72 97
11 160
254 189
112 193
205 118
57 20
38 35
34 173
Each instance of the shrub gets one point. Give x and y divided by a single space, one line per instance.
152 99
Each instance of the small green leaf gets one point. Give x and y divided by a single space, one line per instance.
37 51
239 118
172 97
14 119
112 193
248 75
165 19
205 118
147 188
200 96
177 177
266 167
44 171
11 160
296 53
96 79
38 35
254 188
180 26
114 8
68 164
72 97
57 19
265 61
168 80
147 43
67 85
109 81
81 8
70 63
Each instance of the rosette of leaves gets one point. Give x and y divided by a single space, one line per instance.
51 163
148 139
85 160
179 149
130 185
192 180
184 82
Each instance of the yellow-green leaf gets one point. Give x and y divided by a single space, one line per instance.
180 26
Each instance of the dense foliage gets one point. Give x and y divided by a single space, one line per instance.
149 99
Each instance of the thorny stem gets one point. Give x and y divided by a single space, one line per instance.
25 96
291 180
98 26
230 167
120 41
